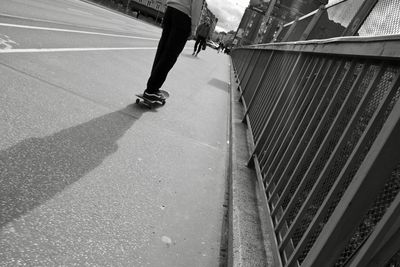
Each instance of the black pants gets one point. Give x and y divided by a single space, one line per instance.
176 30
199 44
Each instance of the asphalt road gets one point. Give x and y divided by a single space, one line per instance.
87 177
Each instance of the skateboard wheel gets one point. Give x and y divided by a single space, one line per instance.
137 101
163 102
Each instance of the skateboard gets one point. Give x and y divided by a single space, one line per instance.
141 100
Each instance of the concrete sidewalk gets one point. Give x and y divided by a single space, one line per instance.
88 178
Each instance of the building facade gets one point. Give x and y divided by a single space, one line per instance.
148 8
262 19
156 10
206 13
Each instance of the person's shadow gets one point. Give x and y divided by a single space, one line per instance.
36 169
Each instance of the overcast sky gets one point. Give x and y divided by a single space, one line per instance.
228 12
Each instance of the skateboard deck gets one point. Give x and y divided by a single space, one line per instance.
148 103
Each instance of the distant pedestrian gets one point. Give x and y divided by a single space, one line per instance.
221 47
201 37
180 20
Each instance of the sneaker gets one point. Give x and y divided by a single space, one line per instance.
156 96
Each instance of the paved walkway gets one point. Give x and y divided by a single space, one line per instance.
90 178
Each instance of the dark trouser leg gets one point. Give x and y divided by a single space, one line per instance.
176 30
196 44
202 40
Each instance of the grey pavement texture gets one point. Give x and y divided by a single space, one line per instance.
251 240
89 178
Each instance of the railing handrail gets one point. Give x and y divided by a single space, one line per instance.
387 46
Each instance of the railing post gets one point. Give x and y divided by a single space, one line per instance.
289 32
360 17
312 23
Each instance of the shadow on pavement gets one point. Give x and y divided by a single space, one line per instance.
36 169
219 84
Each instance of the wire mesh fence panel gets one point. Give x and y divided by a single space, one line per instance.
281 112
371 218
297 127
250 69
292 114
257 76
248 56
384 19
315 118
347 174
305 130
264 100
305 154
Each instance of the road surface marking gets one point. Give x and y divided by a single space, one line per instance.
6 43
75 31
83 49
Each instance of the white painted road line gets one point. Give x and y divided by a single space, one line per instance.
83 49
75 31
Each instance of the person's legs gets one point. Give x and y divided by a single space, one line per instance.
167 21
202 41
173 42
196 44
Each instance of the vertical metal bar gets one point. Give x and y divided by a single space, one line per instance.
368 135
312 23
294 116
249 72
266 93
242 59
384 242
283 72
256 75
305 145
291 29
307 124
290 99
247 65
260 83
263 93
291 105
247 57
275 87
301 65
322 147
380 161
282 142
342 142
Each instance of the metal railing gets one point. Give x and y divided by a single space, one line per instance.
324 122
